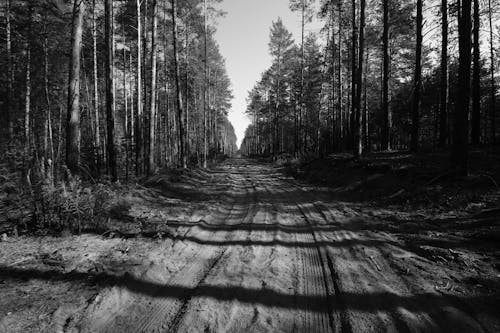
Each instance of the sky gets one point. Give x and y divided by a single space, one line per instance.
243 35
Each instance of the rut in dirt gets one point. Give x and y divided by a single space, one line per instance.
279 257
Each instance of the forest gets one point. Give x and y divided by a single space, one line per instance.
363 196
144 87
381 75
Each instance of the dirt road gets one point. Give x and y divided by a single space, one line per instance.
281 257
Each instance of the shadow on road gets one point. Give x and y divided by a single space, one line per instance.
372 302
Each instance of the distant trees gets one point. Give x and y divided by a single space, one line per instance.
121 101
385 79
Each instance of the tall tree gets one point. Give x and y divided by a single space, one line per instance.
110 91
358 149
73 118
97 130
178 99
139 121
443 91
279 46
27 96
354 75
339 69
417 82
152 112
304 6
492 78
205 83
8 106
460 126
385 140
476 79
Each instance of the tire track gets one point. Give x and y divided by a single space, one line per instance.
147 313
312 280
200 305
169 314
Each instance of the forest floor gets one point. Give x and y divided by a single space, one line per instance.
388 243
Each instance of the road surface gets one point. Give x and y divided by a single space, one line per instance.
278 256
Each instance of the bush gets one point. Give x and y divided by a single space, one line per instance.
71 205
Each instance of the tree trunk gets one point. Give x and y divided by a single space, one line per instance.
334 122
417 82
139 121
97 141
443 105
110 94
460 126
359 121
178 99
354 80
152 112
125 101
27 98
301 96
50 154
8 103
365 120
492 79
205 80
339 65
385 141
476 80
73 118
186 92
276 112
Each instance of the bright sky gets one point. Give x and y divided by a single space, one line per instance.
243 35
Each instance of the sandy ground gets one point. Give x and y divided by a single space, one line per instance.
243 248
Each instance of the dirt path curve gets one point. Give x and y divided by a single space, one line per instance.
278 258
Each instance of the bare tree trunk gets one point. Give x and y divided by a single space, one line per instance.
9 117
73 119
460 125
132 112
354 79
443 106
178 99
333 52
339 64
359 121
152 112
50 154
492 79
417 82
205 83
97 141
27 98
365 120
110 94
186 91
476 80
385 141
139 121
125 101
276 112
301 96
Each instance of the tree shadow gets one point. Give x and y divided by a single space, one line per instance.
372 302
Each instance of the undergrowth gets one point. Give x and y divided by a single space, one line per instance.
32 201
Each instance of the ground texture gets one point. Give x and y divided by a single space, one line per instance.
244 248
